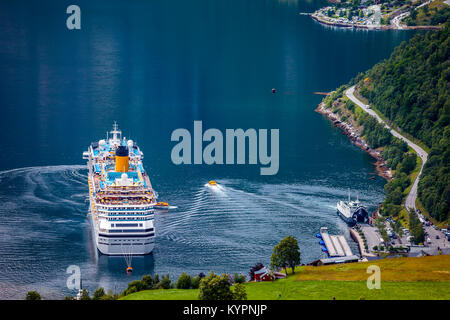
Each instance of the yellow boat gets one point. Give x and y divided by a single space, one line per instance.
161 205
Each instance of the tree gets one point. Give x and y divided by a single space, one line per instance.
409 163
156 280
195 282
395 197
416 228
99 293
109 297
286 254
390 209
349 14
184 281
165 282
134 286
33 295
238 278
85 295
214 287
397 227
239 292
148 282
413 13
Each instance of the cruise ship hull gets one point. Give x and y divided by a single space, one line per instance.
121 247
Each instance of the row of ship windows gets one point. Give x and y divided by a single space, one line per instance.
122 242
130 230
129 219
126 225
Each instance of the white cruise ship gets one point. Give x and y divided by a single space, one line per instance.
352 211
121 197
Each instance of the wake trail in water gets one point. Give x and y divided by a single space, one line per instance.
222 206
34 192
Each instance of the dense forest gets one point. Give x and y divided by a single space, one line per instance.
411 89
433 14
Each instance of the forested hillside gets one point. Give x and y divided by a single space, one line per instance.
411 88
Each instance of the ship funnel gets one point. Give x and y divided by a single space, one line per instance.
122 159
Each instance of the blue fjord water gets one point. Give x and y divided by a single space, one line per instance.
155 66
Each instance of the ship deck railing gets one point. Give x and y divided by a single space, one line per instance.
133 196
142 210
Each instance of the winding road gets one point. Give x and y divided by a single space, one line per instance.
396 21
412 195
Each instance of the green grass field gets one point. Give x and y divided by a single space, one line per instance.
317 290
401 279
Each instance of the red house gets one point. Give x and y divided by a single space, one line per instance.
263 274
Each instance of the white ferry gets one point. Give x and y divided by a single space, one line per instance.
352 211
121 197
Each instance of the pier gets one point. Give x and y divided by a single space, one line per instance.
336 246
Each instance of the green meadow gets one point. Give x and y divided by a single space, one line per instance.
401 279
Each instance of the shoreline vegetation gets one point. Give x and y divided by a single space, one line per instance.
409 92
354 134
384 15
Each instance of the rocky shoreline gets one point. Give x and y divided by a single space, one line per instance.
354 136
347 25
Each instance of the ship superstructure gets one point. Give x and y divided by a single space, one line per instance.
121 196
352 211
